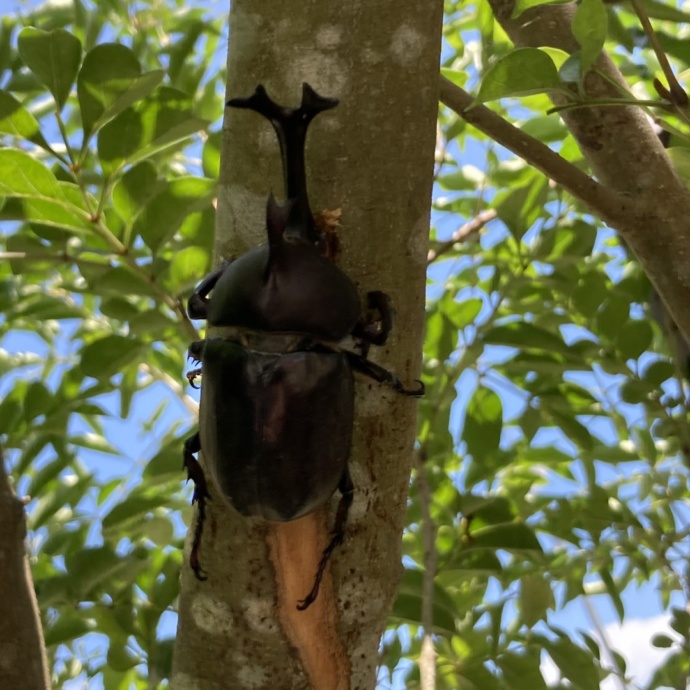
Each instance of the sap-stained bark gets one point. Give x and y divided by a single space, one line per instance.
625 155
372 157
22 654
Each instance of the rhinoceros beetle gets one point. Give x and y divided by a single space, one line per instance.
277 396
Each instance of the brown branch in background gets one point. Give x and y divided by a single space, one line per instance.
427 657
609 206
675 92
22 652
462 234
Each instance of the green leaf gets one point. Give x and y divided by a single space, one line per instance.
166 463
110 355
590 293
634 338
119 280
466 563
137 133
571 242
53 57
658 372
660 10
680 621
546 128
464 313
536 598
619 32
187 266
661 641
613 591
511 536
68 627
210 155
91 568
590 27
408 605
522 72
526 336
577 432
520 207
611 317
522 5
521 671
483 425
119 140
166 119
93 442
570 72
17 121
680 158
138 184
133 508
120 658
58 215
37 401
23 175
163 215
110 80
159 530
576 664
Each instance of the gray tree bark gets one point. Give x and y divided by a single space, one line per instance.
372 157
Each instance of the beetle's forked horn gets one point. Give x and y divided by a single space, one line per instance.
290 125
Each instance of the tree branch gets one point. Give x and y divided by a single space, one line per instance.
626 157
462 234
22 653
610 207
427 657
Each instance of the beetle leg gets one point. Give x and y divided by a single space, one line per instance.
201 495
347 490
191 375
290 125
376 325
378 373
197 305
195 352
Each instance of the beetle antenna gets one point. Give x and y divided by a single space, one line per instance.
290 125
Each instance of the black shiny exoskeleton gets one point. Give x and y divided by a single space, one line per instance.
277 400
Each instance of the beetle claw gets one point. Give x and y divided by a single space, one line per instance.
191 375
417 392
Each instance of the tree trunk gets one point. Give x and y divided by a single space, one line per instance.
372 157
22 652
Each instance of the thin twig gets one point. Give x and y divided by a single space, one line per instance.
618 671
676 94
427 657
57 257
471 227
